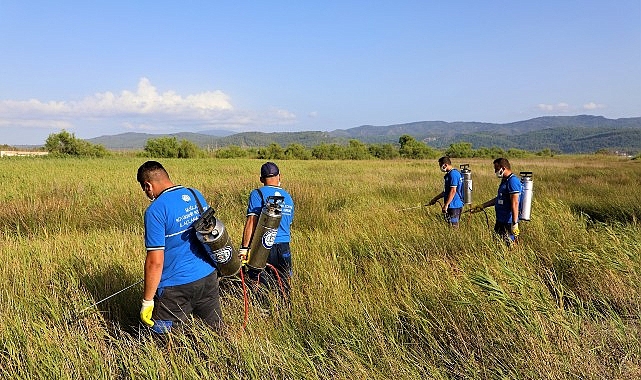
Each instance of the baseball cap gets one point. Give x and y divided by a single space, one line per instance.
269 169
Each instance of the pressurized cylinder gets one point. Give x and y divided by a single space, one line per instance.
265 232
212 233
467 184
527 192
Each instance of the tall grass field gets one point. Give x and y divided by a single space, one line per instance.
382 287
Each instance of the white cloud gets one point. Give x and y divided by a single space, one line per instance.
145 109
36 124
147 100
593 106
559 107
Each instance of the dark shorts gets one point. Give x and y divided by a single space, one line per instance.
453 215
201 298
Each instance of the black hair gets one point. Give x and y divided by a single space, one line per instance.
150 170
444 160
502 162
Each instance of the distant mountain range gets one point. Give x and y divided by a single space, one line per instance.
566 134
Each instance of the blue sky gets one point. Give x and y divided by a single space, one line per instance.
108 67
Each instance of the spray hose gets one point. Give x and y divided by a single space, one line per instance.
487 219
106 298
281 286
245 299
280 282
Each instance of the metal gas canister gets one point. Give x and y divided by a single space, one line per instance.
265 232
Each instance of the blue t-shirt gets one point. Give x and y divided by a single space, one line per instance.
503 206
453 178
168 221
255 207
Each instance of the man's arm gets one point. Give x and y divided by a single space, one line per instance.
483 205
250 226
449 198
153 271
436 198
515 207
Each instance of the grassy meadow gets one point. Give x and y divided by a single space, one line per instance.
381 290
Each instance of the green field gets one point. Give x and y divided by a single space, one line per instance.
378 292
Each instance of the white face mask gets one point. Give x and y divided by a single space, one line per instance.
444 168
499 173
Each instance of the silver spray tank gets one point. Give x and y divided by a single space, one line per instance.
265 232
525 205
467 183
211 232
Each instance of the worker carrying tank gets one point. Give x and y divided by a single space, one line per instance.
266 236
506 203
452 193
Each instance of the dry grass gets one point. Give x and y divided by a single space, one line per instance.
378 292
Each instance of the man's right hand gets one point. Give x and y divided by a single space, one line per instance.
145 312
244 255
477 208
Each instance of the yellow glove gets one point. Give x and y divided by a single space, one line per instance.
515 229
477 208
145 312
244 255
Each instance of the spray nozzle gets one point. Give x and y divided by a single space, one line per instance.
526 174
275 200
206 222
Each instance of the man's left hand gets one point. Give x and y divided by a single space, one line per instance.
515 229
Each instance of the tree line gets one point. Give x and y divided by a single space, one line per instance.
66 144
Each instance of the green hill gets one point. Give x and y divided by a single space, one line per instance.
566 134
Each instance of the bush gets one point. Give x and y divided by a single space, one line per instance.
272 152
493 152
516 153
297 152
169 147
232 151
357 151
460 150
383 151
411 148
66 144
328 152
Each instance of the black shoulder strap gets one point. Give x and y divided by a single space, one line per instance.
262 199
200 206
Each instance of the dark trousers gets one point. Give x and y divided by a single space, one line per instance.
504 230
280 259
453 215
201 298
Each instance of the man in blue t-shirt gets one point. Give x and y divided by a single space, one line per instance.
506 203
452 191
180 279
279 254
